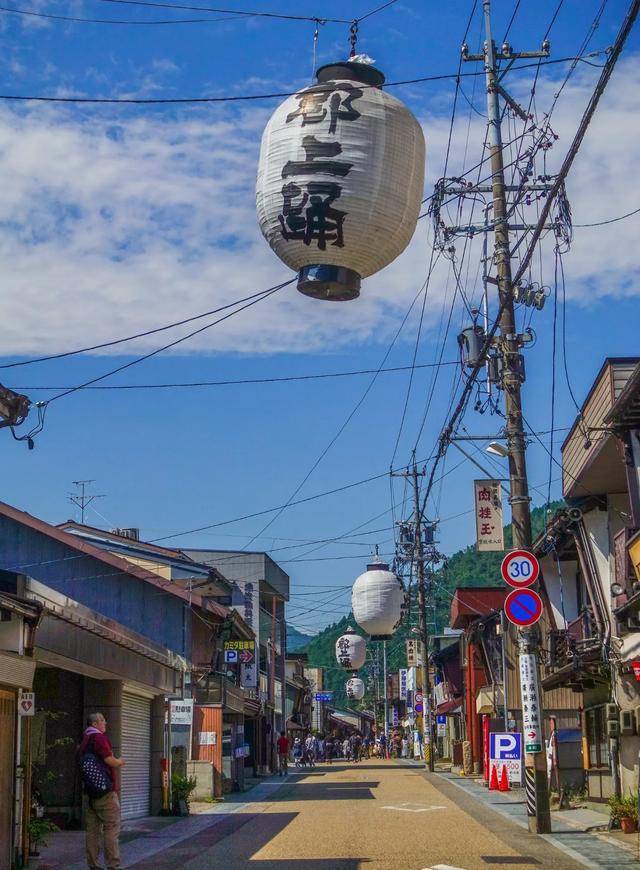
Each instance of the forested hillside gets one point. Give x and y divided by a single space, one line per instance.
464 568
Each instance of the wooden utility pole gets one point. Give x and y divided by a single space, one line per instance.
512 377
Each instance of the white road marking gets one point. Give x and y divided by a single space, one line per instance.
413 808
442 867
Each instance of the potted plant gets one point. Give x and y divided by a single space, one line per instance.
181 788
624 810
38 830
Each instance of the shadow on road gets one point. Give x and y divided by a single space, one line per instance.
216 847
328 791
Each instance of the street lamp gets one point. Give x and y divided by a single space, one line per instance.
497 449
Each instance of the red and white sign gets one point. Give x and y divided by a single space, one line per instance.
636 670
520 569
523 607
488 508
418 698
27 704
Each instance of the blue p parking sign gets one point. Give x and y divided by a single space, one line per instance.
506 749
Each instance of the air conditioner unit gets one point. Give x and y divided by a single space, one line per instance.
613 728
627 722
612 712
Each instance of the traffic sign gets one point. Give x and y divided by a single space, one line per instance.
418 697
520 569
506 749
231 656
523 607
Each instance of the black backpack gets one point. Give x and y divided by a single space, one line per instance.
93 772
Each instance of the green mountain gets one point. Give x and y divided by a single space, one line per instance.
464 568
297 640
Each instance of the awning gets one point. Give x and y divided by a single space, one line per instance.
452 706
294 726
489 699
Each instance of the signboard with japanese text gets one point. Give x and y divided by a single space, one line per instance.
488 510
207 738
246 600
414 652
532 729
402 679
324 696
506 750
182 711
240 651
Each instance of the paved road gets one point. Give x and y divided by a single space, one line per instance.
377 815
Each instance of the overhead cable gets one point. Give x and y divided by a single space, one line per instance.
158 101
166 347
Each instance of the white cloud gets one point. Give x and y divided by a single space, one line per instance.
110 225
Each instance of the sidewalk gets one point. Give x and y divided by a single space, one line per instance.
143 838
581 833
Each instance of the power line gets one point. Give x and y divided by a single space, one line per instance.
249 381
238 12
610 221
273 509
158 101
144 334
165 347
125 21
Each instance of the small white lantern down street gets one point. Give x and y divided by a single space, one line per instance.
355 689
378 601
351 650
340 180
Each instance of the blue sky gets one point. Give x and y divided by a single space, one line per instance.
115 220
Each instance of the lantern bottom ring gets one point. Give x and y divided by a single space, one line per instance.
333 283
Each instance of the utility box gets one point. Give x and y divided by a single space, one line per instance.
627 722
613 728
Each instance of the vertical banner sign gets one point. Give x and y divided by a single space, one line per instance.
403 684
488 508
395 720
530 703
246 600
412 653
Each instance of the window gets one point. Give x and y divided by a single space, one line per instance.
597 737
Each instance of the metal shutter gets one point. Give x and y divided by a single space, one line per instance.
135 791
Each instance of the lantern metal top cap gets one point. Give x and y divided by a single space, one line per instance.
357 72
377 565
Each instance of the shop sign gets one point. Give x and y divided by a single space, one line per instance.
182 712
208 738
488 510
402 679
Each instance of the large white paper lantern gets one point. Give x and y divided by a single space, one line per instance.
340 180
355 689
351 650
378 601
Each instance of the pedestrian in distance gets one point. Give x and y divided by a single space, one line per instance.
98 767
283 754
405 747
383 746
297 752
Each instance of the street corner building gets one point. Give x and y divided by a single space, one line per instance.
590 561
95 621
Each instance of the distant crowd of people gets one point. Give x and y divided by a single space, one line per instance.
307 751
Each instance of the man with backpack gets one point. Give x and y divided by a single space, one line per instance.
97 768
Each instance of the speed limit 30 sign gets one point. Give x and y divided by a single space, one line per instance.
520 569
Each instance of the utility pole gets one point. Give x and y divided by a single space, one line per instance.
418 560
82 499
509 345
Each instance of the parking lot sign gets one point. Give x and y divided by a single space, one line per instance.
506 749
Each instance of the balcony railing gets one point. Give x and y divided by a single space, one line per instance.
569 644
217 689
